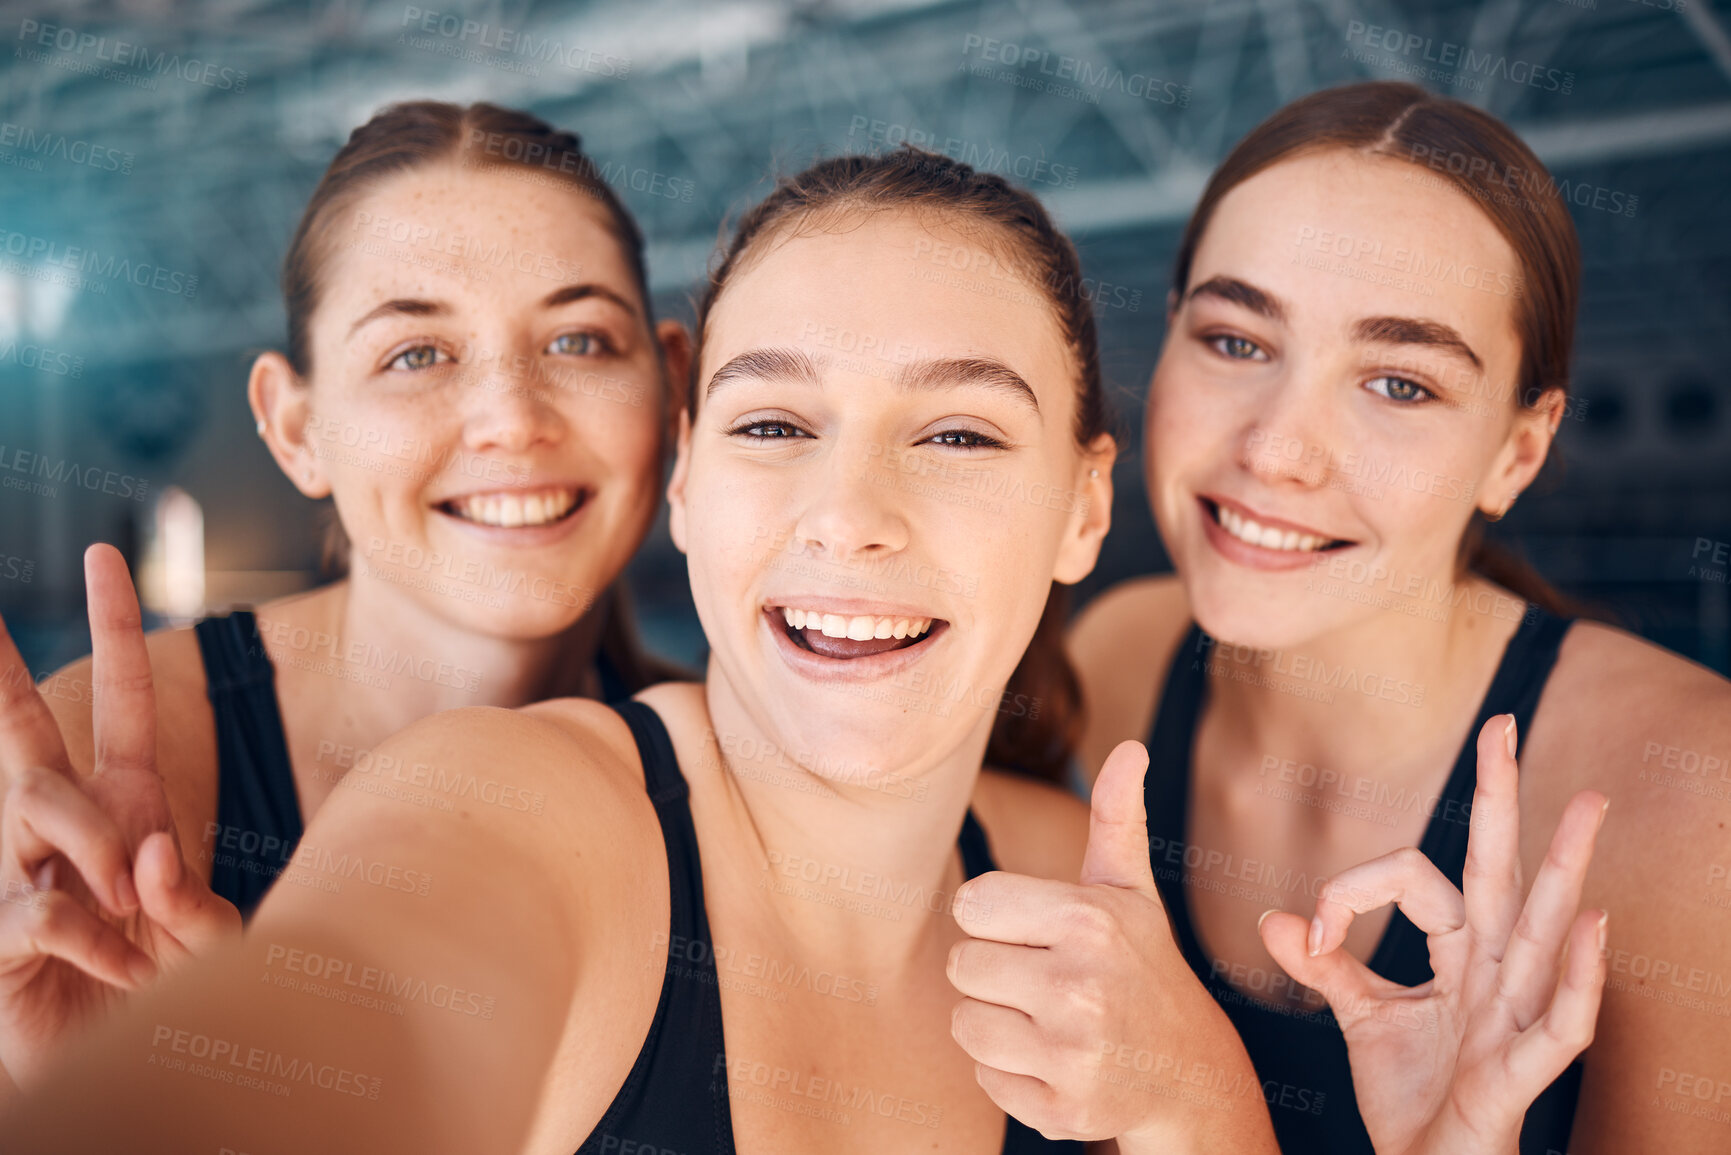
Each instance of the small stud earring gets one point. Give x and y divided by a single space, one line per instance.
1093 473
260 427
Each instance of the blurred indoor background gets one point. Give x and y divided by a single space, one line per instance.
202 172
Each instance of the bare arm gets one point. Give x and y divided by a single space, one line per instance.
404 987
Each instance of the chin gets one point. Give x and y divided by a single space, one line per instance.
1266 618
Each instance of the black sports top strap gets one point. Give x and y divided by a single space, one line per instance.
1295 1042
258 815
676 1096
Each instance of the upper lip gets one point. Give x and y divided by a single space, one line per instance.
1268 520
846 607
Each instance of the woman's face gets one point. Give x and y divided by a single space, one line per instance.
1334 398
485 403
879 486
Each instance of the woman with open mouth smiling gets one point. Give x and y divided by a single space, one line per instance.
1367 355
473 373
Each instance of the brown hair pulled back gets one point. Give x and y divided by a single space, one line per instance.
1039 717
1483 158
418 134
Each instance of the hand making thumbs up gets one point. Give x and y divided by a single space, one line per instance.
1082 1016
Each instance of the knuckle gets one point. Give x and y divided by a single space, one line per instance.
1085 919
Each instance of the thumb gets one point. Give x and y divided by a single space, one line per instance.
1117 852
179 901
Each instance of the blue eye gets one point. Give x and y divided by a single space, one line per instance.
576 344
420 357
1400 389
1235 347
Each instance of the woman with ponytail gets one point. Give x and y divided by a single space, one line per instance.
473 373
1367 357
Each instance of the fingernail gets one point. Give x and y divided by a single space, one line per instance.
1604 917
1509 735
1604 810
1315 937
126 892
1264 917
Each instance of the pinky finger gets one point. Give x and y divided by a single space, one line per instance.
1541 1052
1029 1099
60 926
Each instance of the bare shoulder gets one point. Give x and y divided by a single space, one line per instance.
1652 731
1034 828
1121 646
1623 709
529 785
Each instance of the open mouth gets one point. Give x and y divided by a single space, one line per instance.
512 509
1279 538
849 636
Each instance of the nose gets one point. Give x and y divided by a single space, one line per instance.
1289 440
508 407
853 509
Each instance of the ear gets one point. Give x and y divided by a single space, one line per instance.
676 483
675 341
280 405
1522 454
1091 516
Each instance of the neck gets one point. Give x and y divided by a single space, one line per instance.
859 852
1383 692
390 661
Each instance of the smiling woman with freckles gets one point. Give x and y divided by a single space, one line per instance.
1367 356
473 374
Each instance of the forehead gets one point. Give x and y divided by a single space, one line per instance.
890 286
1343 234
463 233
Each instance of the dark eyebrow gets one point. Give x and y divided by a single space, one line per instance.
402 306
794 365
1412 331
568 293
789 364
1236 291
564 295
980 371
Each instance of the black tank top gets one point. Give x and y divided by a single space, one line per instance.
675 1099
1296 1045
258 814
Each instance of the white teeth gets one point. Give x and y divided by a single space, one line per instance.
509 509
1247 530
858 627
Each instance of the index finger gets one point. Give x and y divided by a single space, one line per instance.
29 735
124 712
1014 908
